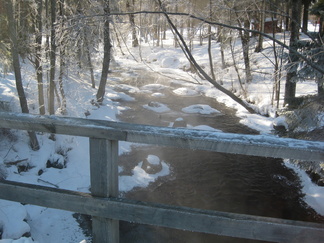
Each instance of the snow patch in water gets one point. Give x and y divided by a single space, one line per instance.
158 95
113 95
153 159
200 109
157 107
185 92
140 178
154 87
128 88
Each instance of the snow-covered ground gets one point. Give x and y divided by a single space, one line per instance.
50 225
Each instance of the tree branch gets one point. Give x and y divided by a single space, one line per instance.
198 67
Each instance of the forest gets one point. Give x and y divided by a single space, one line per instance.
55 36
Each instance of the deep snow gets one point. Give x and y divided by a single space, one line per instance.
50 225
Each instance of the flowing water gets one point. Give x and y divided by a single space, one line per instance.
206 180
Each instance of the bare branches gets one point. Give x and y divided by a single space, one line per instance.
199 68
205 20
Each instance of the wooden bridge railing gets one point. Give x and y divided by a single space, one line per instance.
106 208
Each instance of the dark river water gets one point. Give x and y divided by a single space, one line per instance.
206 180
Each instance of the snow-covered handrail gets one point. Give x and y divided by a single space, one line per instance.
257 145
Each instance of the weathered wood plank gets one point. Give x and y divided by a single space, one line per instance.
206 221
257 145
104 183
104 167
59 125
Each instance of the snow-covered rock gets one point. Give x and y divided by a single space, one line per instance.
200 109
185 92
280 123
157 107
152 164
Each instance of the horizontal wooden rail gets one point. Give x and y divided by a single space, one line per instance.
257 145
206 221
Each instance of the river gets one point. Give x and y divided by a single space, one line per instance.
200 179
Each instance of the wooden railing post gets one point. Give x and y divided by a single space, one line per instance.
104 183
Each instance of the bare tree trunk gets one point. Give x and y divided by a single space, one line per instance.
287 19
106 59
22 28
245 39
210 54
305 15
38 58
157 29
85 37
236 68
51 103
132 21
221 40
278 63
62 57
47 26
209 43
176 24
16 65
259 46
90 66
290 86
